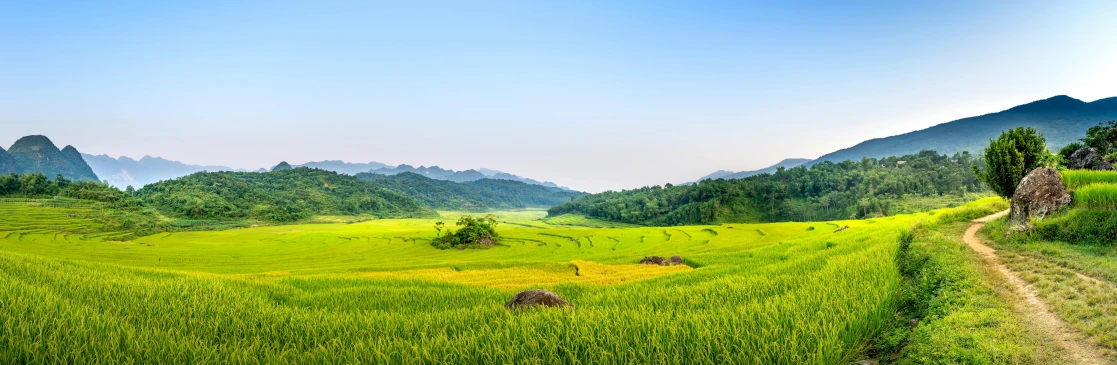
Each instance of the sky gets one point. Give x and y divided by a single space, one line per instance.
593 95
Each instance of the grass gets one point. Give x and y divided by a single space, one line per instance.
376 291
1075 179
579 220
1074 273
1096 196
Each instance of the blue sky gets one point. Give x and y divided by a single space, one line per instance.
590 94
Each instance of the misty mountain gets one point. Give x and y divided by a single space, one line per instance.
476 195
343 167
786 163
124 171
1062 119
438 173
37 154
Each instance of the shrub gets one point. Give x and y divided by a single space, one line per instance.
1081 226
1011 156
474 233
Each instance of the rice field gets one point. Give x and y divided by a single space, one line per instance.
1096 196
377 292
1075 179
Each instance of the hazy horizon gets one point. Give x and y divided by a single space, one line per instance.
589 95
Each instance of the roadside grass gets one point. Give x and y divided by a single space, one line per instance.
1075 179
952 309
1075 279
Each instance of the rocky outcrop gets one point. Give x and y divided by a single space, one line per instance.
660 261
1089 159
1039 194
536 298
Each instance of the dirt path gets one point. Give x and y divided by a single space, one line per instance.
1068 342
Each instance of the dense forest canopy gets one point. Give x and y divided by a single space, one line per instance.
279 196
478 195
825 191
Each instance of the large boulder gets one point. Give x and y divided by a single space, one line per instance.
1089 159
1040 193
536 298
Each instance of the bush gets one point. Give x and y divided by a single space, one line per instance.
474 233
1011 156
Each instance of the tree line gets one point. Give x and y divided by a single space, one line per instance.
824 191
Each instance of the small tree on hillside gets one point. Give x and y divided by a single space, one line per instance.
474 233
1103 138
1011 156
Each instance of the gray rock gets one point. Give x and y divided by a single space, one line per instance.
676 260
653 260
1089 159
536 298
1039 194
1019 228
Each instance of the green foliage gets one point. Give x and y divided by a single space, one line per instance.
478 195
1069 150
1010 157
1102 137
472 233
1096 196
37 185
825 191
281 166
1079 226
1075 179
278 196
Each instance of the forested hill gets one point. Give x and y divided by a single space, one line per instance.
278 196
825 191
477 195
37 154
1061 119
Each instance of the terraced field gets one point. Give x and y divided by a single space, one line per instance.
376 291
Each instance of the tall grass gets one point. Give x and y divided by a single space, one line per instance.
1096 196
376 292
1075 179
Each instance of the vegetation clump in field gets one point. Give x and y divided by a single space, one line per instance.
536 298
474 233
1008 158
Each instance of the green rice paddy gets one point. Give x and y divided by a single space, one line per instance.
377 292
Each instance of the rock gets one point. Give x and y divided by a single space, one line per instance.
676 260
536 298
1089 159
1019 228
866 362
653 260
1040 193
841 229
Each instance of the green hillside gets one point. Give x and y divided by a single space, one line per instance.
37 154
825 191
1061 119
484 194
277 196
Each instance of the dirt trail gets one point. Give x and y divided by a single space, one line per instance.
1068 342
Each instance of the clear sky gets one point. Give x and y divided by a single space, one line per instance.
593 95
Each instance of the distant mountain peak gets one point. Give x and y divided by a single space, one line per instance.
37 154
1054 103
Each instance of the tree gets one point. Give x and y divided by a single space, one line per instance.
1103 138
474 233
1010 157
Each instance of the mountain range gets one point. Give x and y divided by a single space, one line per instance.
37 154
1061 119
438 173
786 163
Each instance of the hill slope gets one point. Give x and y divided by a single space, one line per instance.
483 194
37 154
1061 119
343 167
279 196
824 191
786 163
